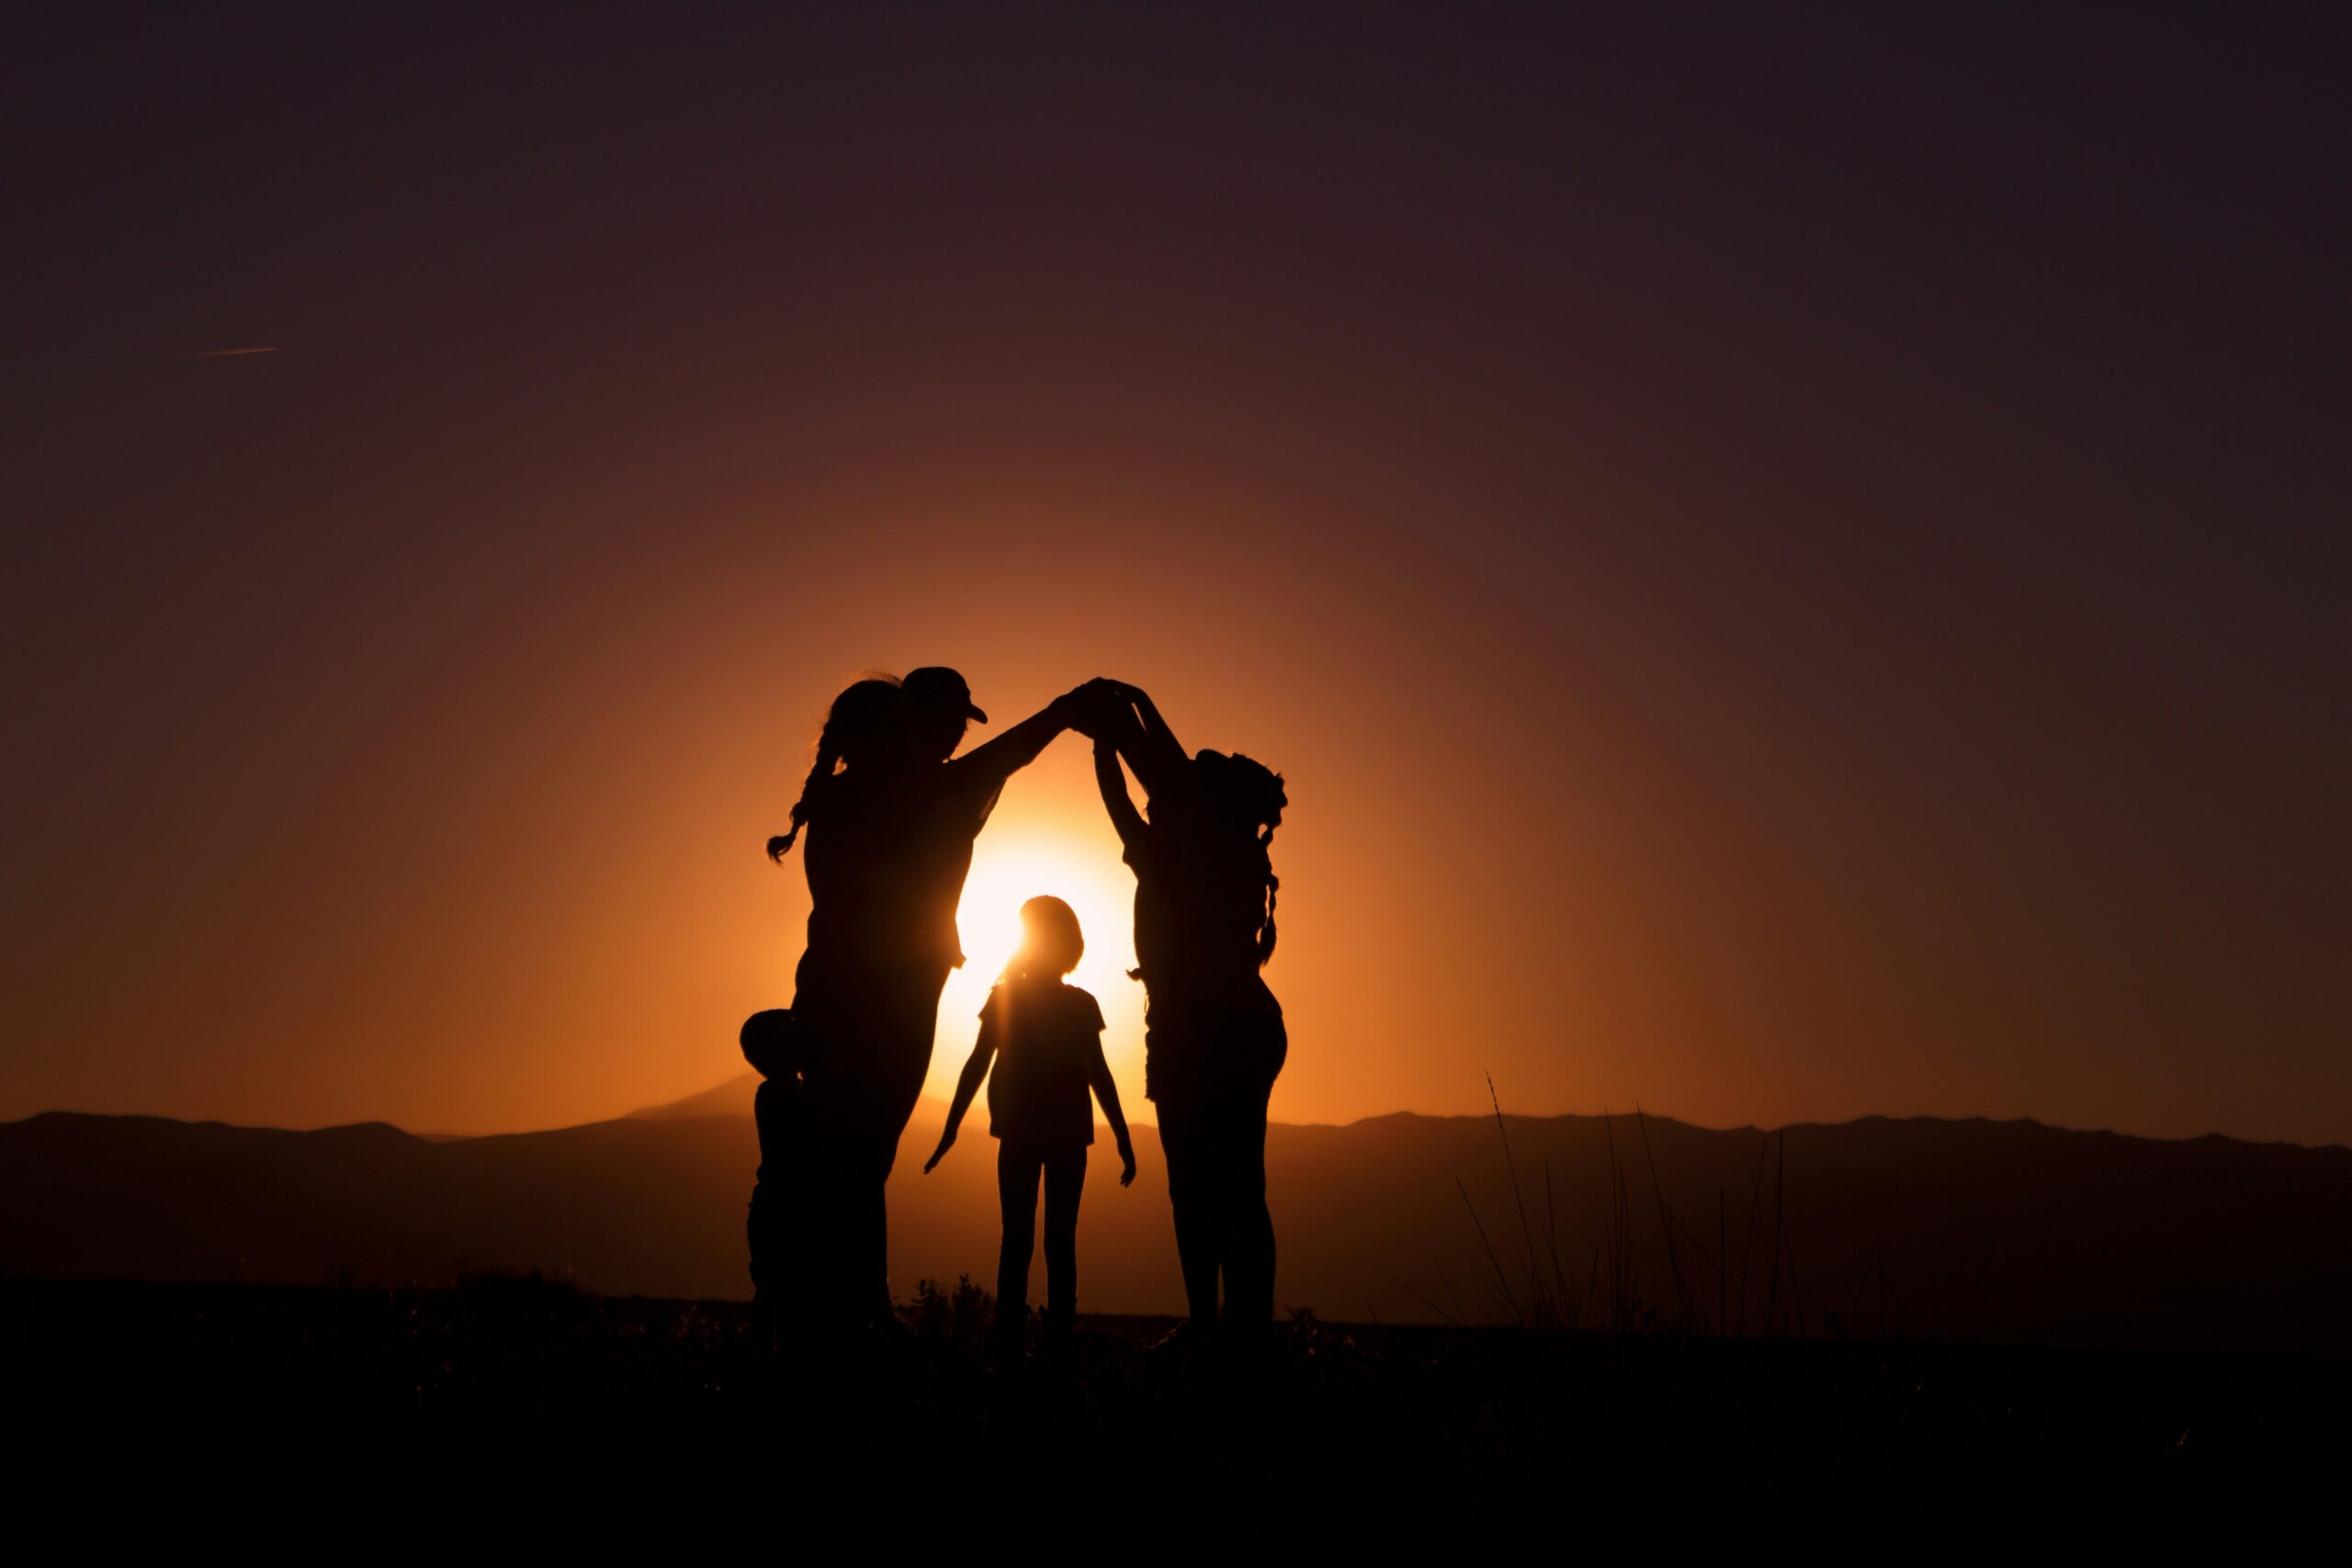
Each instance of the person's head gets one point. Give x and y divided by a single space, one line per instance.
1051 942
1241 792
938 705
863 729
1247 798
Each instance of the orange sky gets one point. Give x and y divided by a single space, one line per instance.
1756 621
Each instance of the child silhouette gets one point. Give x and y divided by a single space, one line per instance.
1046 1038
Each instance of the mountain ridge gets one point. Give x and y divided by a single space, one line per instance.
732 1098
1955 1228
745 1085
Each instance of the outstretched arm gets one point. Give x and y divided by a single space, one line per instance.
976 1067
1152 749
1107 1091
1112 780
990 764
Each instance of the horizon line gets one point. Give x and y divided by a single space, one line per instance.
640 1116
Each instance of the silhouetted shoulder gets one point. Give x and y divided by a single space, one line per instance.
967 789
1084 1010
824 796
1061 1007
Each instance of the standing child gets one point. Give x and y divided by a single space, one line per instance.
1047 1040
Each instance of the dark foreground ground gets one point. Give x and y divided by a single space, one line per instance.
511 1393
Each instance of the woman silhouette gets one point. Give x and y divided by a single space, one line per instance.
889 819
1214 1038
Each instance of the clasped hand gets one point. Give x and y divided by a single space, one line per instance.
1096 706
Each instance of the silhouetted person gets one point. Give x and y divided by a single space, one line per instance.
1215 1040
890 822
1046 1039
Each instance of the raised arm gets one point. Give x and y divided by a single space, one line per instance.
999 759
976 1067
990 764
1107 1090
1112 780
1152 749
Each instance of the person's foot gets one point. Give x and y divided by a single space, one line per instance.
768 1327
1057 1344
1184 1344
880 1342
1247 1345
1008 1343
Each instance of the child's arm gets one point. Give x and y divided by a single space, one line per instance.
1112 780
976 1067
1107 1091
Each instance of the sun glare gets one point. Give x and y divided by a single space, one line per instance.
1007 871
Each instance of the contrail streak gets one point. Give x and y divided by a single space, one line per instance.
229 353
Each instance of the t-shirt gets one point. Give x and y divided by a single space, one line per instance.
887 864
1048 1048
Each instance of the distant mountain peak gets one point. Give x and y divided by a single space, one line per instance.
732 1098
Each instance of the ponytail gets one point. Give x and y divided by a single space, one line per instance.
828 757
861 714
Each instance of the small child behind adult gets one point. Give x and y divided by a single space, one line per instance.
1045 1037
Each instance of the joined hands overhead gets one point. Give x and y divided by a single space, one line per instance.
1097 707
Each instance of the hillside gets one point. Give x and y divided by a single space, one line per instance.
2004 1232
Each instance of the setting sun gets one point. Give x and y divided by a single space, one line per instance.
1013 863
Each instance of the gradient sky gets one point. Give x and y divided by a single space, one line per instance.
1795 567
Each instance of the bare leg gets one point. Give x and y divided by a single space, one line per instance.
1017 1169
1065 1183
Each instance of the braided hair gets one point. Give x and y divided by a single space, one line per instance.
860 713
1273 885
1250 794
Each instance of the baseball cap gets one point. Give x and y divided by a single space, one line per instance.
937 685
